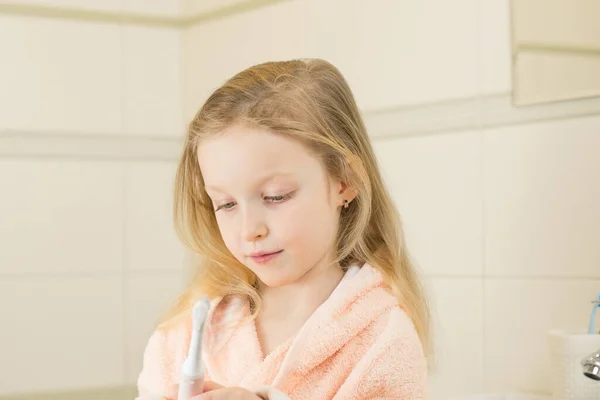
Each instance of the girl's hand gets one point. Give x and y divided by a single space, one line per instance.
214 391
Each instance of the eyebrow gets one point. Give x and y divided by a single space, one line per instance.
262 181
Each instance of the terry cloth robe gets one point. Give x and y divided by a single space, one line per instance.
359 344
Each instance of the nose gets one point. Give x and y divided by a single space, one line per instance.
253 226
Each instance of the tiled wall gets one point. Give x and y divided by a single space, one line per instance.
88 256
500 204
504 223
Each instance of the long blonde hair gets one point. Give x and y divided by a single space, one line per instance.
308 100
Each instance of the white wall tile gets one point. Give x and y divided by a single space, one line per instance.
152 243
557 23
413 51
60 333
149 295
494 41
152 87
518 316
547 77
542 190
194 7
59 75
153 7
60 216
89 5
458 332
213 51
436 184
433 55
339 45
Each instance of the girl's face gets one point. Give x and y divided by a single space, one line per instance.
277 208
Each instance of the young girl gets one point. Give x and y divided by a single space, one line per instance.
312 292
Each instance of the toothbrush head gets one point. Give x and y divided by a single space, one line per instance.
199 313
192 366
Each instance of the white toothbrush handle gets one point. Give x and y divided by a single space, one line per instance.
187 385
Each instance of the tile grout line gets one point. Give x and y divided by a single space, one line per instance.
588 107
491 112
182 74
78 274
480 127
124 272
166 136
124 228
132 18
90 158
482 177
90 274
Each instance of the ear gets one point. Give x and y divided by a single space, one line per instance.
345 192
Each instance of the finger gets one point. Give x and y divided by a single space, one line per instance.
152 398
226 394
209 385
204 396
171 393
215 394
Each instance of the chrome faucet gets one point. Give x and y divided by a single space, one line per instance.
591 365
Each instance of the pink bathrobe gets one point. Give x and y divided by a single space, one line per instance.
359 344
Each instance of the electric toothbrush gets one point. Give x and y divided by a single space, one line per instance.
192 369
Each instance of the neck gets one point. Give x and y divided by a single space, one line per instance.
302 297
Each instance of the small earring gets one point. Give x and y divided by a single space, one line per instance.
345 203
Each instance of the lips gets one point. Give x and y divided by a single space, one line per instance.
263 258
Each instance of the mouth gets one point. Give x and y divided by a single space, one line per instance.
263 258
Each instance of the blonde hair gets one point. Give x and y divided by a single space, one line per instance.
308 100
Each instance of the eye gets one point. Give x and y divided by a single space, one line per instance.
226 206
278 199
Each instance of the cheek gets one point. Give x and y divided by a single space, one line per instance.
309 227
228 233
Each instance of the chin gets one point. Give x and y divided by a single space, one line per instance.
275 280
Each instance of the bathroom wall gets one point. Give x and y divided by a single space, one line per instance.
556 50
90 126
499 204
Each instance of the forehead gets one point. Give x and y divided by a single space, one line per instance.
242 156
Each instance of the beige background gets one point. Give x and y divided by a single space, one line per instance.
500 204
556 47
